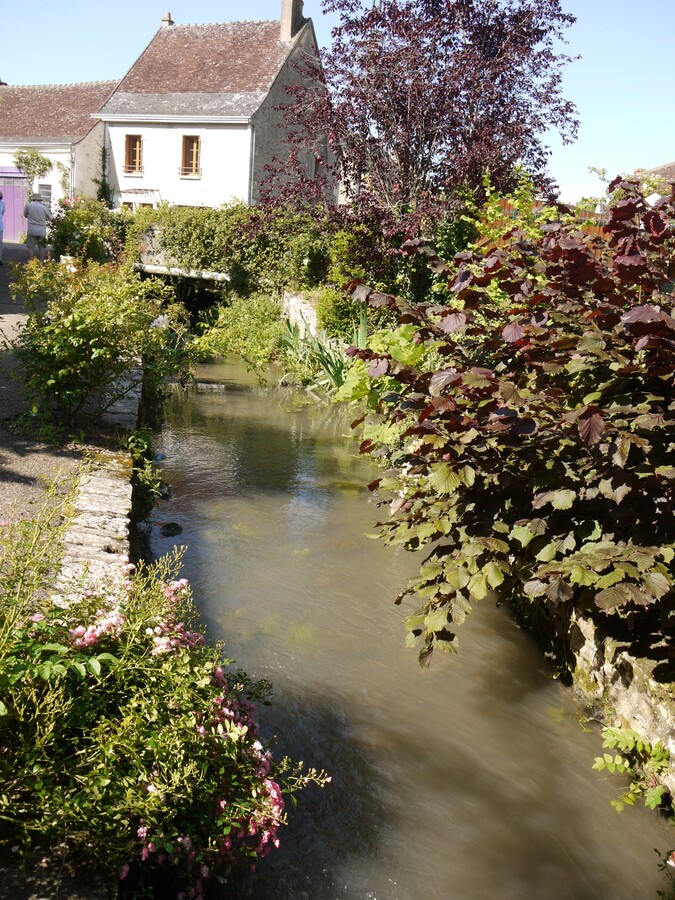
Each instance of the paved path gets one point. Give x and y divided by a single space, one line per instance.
25 465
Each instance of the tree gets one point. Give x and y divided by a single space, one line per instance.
33 165
420 97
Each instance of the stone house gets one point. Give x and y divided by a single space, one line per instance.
194 121
55 120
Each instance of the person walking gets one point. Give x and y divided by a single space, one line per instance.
2 225
38 216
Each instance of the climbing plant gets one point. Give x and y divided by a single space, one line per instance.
527 429
33 164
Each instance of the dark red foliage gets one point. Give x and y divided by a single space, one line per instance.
418 98
539 461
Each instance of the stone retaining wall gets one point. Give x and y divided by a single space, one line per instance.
608 674
300 312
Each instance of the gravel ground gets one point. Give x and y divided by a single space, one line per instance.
25 466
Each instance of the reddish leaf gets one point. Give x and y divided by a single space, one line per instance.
453 322
655 224
357 291
644 313
441 380
513 332
378 367
625 209
591 425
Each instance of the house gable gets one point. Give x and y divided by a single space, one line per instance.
213 71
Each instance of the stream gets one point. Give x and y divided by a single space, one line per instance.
472 779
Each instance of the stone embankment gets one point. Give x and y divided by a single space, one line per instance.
626 687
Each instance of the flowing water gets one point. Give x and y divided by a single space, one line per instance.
470 780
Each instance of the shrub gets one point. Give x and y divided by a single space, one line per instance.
536 459
94 332
247 326
261 248
274 247
126 743
89 230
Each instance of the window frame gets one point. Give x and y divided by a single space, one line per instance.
191 156
133 154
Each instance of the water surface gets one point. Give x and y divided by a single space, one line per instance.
470 780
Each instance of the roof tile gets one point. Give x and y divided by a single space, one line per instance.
223 58
50 111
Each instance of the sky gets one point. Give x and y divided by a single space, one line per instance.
622 86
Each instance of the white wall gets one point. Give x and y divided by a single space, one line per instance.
225 164
54 152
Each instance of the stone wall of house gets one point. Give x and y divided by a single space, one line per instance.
268 121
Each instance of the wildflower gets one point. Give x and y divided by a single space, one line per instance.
124 871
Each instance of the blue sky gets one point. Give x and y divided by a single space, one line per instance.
623 85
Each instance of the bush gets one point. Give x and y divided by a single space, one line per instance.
126 743
89 230
261 248
272 248
536 457
93 333
250 327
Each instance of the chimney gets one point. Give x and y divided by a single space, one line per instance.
167 20
291 18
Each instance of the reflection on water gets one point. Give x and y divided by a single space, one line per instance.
470 780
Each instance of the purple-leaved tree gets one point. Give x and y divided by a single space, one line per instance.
419 97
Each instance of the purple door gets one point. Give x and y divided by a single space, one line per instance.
13 188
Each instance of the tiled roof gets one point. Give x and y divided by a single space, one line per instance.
50 112
232 57
667 171
234 105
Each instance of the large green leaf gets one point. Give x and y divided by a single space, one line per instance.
444 478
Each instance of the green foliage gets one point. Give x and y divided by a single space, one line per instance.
93 334
89 230
247 326
146 479
104 192
126 743
261 248
535 459
637 758
316 360
33 165
273 248
336 315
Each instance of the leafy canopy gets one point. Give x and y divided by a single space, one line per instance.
531 445
419 97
